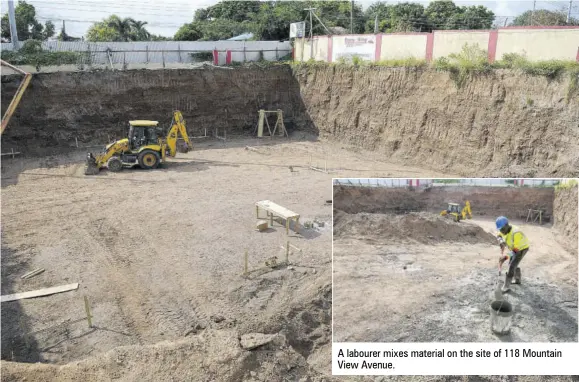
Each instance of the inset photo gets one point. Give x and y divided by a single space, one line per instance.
455 260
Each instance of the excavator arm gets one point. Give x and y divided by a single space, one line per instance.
178 127
466 211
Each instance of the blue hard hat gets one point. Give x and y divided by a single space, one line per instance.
501 222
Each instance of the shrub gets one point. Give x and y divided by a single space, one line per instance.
31 53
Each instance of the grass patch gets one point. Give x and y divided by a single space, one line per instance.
411 62
551 69
471 60
32 53
571 183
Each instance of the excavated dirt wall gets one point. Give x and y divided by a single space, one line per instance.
500 124
96 106
485 201
565 214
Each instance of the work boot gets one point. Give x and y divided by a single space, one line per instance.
506 285
517 276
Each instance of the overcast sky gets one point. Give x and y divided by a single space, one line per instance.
165 17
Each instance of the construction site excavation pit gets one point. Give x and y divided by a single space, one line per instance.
404 272
160 255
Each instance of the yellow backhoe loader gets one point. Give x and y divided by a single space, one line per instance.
456 213
144 146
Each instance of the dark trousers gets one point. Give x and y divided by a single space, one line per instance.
514 263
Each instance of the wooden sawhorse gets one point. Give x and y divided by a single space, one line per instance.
273 210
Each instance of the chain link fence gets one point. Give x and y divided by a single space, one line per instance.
392 183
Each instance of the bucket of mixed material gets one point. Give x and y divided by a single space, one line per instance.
501 316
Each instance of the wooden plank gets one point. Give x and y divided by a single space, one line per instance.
40 292
33 273
277 209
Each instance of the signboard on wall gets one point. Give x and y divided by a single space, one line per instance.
346 47
297 30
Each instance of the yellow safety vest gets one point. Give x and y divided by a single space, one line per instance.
515 239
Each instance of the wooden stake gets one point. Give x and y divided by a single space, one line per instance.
87 309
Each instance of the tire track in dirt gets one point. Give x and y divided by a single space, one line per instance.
127 296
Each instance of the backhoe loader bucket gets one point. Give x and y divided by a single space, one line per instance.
182 147
91 166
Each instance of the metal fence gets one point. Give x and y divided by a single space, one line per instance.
165 53
417 182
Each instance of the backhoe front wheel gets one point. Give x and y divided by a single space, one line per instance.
149 159
115 164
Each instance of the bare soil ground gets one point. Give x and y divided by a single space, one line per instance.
423 278
159 254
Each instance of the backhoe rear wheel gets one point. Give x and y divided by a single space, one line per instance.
115 164
149 159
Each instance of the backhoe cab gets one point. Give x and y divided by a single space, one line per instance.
145 146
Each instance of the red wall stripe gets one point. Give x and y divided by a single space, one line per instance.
378 47
330 48
215 57
492 48
429 46
227 57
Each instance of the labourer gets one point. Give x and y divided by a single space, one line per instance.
513 239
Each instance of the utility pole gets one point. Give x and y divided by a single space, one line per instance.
376 24
311 10
352 16
12 21
569 11
533 13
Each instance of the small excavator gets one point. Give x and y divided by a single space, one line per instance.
456 213
145 146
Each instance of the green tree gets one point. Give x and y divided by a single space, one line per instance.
156 37
102 32
543 17
439 14
138 31
189 32
234 10
273 20
115 28
268 20
336 13
27 26
444 14
122 26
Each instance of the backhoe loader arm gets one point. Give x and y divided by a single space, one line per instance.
178 127
95 163
466 211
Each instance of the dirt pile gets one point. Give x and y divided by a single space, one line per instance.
419 227
565 214
213 355
421 117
